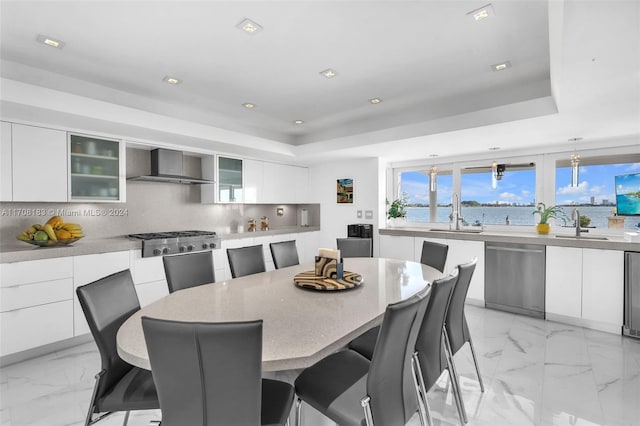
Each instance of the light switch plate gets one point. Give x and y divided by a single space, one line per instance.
280 211
359 214
368 214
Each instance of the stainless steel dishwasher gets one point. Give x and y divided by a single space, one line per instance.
515 278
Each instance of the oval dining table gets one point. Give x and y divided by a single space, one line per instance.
300 326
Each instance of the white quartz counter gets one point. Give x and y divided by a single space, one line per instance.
564 239
17 251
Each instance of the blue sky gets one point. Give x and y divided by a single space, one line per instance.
519 186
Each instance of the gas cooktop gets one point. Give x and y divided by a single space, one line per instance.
174 242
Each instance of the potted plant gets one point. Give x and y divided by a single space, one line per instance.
547 213
397 211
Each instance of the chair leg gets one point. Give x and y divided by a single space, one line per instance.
126 418
366 405
453 374
298 411
421 392
475 361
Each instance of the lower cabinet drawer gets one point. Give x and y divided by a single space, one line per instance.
27 295
28 328
151 291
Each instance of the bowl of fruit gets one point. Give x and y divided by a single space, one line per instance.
53 233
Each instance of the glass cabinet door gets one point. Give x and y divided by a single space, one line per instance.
229 180
95 169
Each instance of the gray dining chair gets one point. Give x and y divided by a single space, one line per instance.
210 374
188 270
434 255
119 386
456 322
432 355
354 247
284 254
354 391
246 260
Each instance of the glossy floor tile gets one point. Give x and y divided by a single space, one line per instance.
535 373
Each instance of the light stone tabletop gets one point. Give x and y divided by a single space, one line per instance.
300 326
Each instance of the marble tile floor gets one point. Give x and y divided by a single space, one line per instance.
535 373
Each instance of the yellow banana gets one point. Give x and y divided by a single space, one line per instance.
38 227
71 227
24 237
31 230
55 222
77 234
50 232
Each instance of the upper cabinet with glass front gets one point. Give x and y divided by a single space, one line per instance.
230 182
96 169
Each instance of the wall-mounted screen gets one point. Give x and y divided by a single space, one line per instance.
628 194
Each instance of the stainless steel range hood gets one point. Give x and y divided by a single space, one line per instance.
166 166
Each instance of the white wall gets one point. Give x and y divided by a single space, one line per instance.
368 182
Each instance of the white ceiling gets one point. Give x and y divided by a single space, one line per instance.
575 72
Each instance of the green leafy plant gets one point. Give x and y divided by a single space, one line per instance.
398 208
547 213
584 221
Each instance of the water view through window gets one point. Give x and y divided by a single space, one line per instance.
513 200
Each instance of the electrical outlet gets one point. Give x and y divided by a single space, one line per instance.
359 214
368 214
280 211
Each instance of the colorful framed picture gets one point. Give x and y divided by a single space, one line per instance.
344 191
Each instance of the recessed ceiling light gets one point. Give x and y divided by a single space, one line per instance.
494 148
49 41
501 66
249 26
375 101
433 155
329 73
248 105
171 80
482 13
298 121
575 139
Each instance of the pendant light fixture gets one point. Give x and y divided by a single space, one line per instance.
575 164
494 175
433 179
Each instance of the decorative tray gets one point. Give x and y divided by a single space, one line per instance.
310 281
52 243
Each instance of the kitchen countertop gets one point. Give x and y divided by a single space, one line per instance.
17 251
613 242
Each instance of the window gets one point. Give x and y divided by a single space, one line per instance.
511 202
416 186
595 195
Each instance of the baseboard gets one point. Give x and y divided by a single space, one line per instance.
590 324
43 350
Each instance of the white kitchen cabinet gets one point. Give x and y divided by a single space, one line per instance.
463 251
563 281
230 180
307 244
603 287
6 169
36 303
39 158
89 268
253 181
219 261
284 184
397 247
148 277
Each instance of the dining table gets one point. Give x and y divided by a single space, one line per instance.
300 325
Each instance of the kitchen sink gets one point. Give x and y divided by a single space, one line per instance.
468 231
583 237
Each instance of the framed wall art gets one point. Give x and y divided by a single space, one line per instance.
344 191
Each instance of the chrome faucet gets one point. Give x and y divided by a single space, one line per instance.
576 216
455 210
